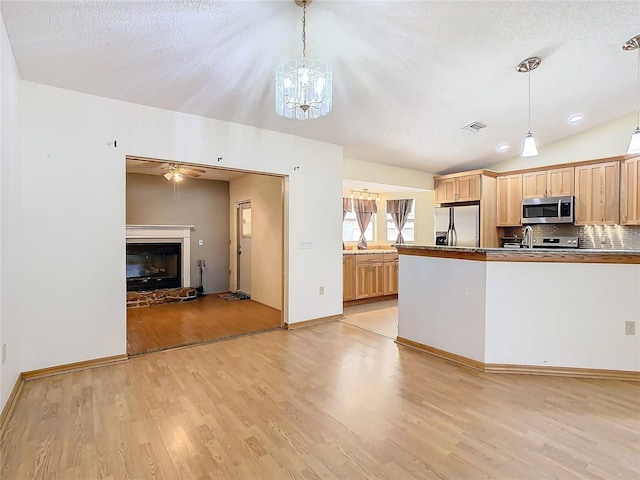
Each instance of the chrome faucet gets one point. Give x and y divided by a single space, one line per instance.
527 237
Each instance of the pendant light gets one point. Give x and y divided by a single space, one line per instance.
634 144
526 66
304 86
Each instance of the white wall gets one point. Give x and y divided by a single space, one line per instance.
569 315
72 210
430 314
266 196
608 140
9 218
362 170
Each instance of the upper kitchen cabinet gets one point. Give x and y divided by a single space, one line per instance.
478 186
630 192
509 199
455 188
597 191
555 182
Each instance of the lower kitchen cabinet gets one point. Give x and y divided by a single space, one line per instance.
390 266
369 275
348 277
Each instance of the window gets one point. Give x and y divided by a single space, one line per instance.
408 232
351 231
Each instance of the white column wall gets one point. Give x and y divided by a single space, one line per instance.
9 218
558 314
72 176
441 304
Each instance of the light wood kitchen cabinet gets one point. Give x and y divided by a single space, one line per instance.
630 192
348 277
509 200
369 276
560 182
464 188
390 265
554 182
597 190
534 184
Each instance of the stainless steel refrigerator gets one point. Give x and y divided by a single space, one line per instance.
457 226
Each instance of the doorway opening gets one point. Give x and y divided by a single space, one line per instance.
236 224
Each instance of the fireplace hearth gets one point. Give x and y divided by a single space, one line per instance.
152 266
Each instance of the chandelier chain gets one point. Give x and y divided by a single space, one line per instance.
304 25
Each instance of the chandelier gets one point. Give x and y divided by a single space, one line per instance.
303 87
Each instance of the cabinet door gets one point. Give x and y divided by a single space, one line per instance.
377 279
534 184
363 280
597 194
348 277
509 200
391 278
560 182
630 192
445 190
468 188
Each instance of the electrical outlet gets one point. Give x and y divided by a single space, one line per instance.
4 353
629 327
321 291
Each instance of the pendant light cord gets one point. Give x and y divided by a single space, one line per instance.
529 74
304 25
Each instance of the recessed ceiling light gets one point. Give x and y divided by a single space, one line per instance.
503 147
575 118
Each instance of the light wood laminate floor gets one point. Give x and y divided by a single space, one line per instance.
206 319
330 401
377 317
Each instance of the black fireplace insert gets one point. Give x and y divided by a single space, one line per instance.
151 266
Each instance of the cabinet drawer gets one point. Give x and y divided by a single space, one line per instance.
369 258
390 257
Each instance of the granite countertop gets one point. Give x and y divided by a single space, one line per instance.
369 252
540 255
564 251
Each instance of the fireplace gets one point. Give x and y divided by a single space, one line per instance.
152 266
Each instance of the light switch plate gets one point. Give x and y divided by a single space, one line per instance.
200 242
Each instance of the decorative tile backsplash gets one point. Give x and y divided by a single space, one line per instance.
616 237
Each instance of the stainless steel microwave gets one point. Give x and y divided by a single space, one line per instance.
548 210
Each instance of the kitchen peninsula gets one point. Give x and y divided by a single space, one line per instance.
542 311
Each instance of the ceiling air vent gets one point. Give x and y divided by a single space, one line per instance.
474 127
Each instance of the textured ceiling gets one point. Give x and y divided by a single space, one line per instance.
407 74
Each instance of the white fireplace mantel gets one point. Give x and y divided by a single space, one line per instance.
166 233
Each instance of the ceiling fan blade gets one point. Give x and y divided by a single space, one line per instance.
163 166
191 172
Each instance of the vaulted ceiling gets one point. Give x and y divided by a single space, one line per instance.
407 75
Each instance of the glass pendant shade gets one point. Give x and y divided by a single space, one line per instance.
634 144
529 147
303 89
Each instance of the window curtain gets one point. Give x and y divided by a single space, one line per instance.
399 211
347 206
363 210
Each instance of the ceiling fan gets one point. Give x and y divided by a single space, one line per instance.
177 173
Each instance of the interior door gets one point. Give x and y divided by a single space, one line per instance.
244 248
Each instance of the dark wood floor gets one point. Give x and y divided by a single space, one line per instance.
329 402
208 318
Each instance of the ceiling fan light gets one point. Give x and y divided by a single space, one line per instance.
634 144
168 175
529 147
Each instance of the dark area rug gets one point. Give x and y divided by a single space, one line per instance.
231 297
